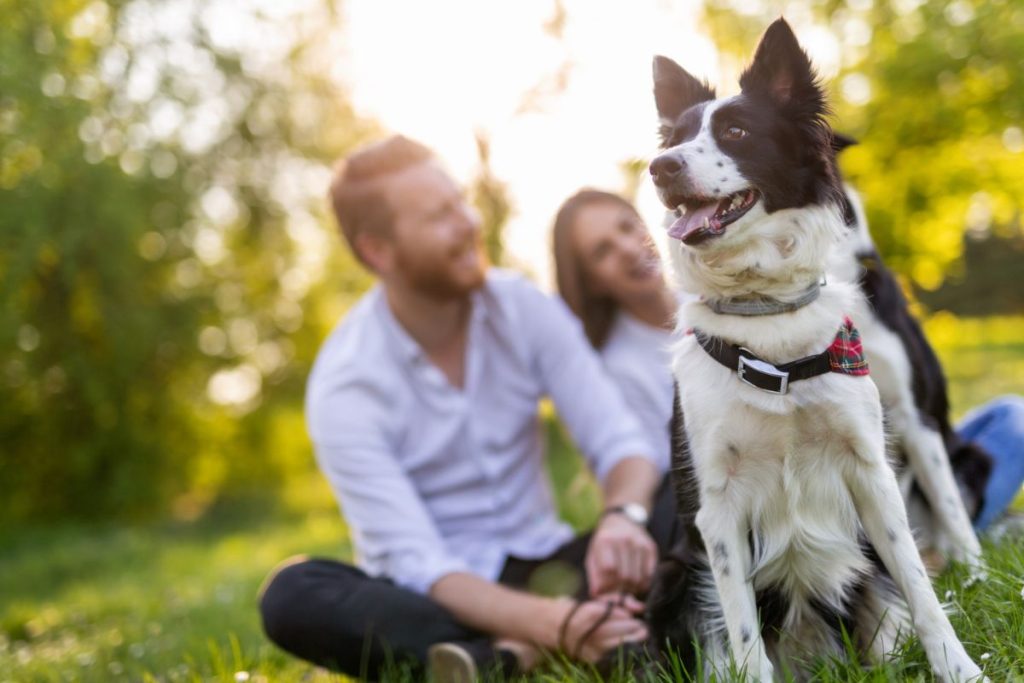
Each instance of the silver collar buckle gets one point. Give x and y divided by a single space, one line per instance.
751 367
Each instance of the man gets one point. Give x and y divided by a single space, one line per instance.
423 410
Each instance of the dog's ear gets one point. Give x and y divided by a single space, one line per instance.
675 90
782 71
841 141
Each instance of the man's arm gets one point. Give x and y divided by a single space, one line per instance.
513 615
634 479
622 554
501 611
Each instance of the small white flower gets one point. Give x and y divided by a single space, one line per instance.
949 595
985 656
241 676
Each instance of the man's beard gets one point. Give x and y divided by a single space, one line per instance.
438 279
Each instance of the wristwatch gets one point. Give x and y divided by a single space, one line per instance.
634 512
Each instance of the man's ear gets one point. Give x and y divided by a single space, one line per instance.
675 90
377 251
782 71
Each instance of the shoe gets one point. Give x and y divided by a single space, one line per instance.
450 663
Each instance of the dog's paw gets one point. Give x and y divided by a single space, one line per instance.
977 574
961 670
765 672
957 545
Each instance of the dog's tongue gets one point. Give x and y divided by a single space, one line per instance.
690 223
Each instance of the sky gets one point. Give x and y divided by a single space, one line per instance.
443 70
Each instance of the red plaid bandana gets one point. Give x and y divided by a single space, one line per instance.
846 354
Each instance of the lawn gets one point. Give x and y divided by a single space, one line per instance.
176 601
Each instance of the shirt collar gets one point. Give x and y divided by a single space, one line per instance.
408 349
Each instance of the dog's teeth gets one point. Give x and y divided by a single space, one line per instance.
681 209
707 223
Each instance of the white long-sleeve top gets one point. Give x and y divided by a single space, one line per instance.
637 357
435 479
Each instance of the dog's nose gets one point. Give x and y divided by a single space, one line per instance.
665 169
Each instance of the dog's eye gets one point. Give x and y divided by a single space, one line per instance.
734 133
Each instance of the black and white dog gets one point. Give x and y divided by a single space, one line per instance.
799 532
944 479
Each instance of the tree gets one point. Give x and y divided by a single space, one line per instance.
490 197
935 92
164 278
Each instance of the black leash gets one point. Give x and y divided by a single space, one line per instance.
609 607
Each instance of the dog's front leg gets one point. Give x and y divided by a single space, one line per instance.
722 521
880 507
930 465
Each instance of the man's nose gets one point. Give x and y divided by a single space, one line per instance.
666 168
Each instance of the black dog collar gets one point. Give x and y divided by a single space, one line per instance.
758 372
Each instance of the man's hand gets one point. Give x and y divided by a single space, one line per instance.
601 624
621 557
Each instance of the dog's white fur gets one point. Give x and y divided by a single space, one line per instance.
801 472
948 526
711 170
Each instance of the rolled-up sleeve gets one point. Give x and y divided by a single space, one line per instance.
392 530
587 401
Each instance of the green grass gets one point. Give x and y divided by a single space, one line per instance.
176 601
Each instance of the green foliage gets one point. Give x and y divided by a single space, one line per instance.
164 281
490 197
990 265
935 92
981 357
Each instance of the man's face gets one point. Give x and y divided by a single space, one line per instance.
436 234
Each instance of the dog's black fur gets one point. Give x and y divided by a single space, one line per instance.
972 465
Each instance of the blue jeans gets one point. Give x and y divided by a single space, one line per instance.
998 427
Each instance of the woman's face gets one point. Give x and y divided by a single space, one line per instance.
615 252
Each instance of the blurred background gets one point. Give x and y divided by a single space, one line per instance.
168 268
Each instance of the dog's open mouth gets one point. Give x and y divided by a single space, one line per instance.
700 218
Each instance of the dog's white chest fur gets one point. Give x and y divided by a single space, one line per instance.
779 460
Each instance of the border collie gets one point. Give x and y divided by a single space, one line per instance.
946 475
798 530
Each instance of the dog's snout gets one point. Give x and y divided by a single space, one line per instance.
665 169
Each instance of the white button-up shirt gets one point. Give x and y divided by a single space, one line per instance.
435 479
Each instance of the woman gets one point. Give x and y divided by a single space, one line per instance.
609 273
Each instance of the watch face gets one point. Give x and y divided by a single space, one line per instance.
636 512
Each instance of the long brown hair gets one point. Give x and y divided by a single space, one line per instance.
596 311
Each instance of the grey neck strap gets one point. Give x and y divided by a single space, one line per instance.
763 305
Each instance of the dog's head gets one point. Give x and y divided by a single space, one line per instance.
727 163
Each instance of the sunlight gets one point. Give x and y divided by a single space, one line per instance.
562 111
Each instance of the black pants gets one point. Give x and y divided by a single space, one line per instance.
337 616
